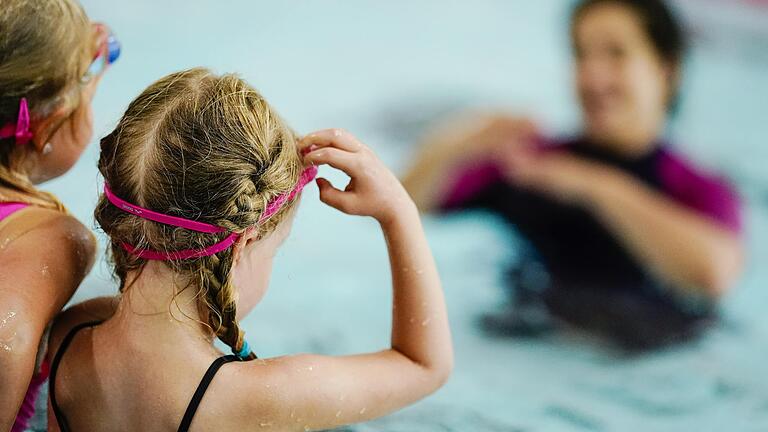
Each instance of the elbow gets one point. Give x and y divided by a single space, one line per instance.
439 372
444 374
716 282
720 275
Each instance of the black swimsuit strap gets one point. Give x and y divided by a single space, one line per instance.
201 388
60 418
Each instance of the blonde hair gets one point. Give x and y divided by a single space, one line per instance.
203 147
44 50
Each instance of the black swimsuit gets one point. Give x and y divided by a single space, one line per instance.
186 421
588 276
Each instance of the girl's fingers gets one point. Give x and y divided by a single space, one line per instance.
332 196
338 138
339 159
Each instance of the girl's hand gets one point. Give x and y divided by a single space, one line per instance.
372 191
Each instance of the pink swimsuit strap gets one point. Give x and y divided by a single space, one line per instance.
9 208
272 207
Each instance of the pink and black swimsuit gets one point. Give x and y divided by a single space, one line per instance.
591 279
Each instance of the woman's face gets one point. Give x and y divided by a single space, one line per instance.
622 83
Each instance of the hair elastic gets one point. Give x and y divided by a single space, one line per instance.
20 130
244 352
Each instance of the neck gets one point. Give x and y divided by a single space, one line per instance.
156 306
626 145
632 139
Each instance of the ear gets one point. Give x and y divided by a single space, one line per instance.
238 248
44 128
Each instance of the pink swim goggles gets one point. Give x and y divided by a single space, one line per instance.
272 207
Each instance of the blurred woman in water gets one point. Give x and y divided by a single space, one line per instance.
628 238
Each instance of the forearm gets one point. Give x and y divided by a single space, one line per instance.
425 181
676 243
19 343
420 329
15 375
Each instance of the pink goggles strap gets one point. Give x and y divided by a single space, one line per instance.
272 207
279 201
160 217
20 130
148 254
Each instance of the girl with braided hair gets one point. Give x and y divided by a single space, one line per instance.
202 179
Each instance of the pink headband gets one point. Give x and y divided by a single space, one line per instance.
272 207
20 130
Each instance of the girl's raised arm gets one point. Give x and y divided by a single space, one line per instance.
320 392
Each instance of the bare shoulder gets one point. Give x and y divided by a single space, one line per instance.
45 256
37 232
94 310
67 232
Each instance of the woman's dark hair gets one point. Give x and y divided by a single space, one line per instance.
660 25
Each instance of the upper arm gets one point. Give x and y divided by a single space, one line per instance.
706 194
322 392
43 265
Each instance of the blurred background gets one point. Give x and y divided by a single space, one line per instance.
385 71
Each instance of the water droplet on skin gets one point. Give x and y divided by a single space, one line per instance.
338 414
310 368
405 269
267 424
45 271
342 397
362 411
412 320
419 272
5 344
425 322
306 428
7 318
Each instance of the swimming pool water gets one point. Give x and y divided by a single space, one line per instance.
383 70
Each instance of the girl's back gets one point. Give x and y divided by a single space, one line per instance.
201 183
134 384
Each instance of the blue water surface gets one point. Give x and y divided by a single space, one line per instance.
383 69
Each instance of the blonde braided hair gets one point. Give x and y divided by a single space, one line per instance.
202 147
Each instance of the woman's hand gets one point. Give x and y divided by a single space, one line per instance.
461 141
500 134
372 191
562 176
